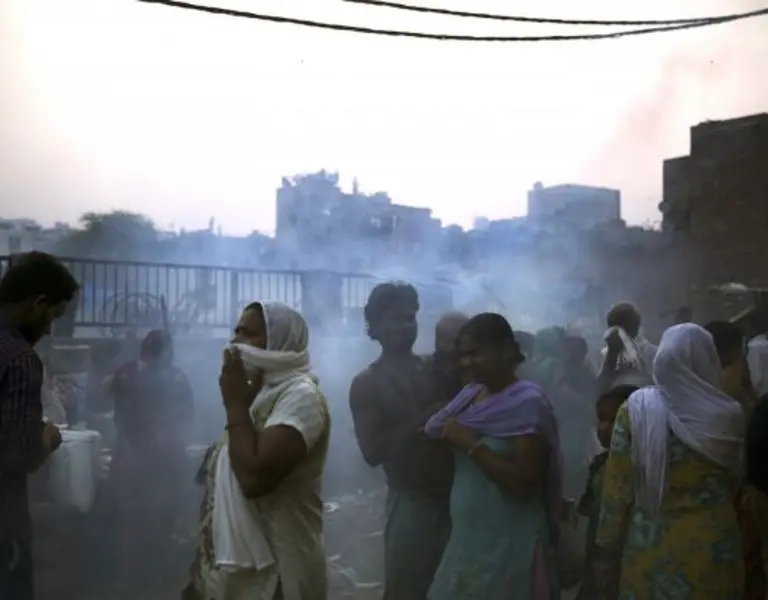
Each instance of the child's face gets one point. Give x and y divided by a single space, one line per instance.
606 415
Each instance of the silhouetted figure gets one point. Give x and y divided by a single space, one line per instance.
34 293
391 401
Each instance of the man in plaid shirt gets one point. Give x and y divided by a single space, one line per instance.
34 292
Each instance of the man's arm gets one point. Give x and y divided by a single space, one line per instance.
368 420
608 369
377 437
21 415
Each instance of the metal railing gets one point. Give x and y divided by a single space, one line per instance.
116 295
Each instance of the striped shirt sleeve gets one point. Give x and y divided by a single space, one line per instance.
304 410
21 414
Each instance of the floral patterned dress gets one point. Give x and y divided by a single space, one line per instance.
691 551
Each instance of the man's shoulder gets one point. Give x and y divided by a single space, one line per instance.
13 347
365 378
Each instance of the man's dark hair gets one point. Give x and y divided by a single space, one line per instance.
386 297
577 341
623 314
729 340
490 330
37 274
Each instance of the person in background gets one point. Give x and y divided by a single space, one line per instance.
54 410
757 358
756 449
391 401
153 407
505 501
261 519
574 385
576 370
626 348
607 406
34 293
53 407
548 357
527 342
667 522
444 361
731 347
684 314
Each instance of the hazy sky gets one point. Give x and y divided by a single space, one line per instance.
183 116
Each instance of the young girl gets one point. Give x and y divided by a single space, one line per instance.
589 505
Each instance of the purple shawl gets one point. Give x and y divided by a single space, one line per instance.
520 409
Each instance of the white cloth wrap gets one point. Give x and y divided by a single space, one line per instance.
238 533
688 401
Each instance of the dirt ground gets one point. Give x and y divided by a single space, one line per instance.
75 554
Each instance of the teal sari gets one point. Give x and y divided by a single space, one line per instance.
500 546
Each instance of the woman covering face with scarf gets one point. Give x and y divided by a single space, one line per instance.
261 535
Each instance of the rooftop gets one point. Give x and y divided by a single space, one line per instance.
538 186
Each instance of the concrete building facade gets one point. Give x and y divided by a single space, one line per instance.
316 220
716 201
582 206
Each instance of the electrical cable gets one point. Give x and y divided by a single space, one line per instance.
520 19
440 36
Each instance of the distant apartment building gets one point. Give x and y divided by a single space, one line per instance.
317 221
576 205
716 202
481 223
24 235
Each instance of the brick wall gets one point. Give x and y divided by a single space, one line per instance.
717 201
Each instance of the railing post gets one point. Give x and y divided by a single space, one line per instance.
234 297
321 299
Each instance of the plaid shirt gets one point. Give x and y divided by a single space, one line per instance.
21 422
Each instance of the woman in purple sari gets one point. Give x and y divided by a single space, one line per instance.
505 501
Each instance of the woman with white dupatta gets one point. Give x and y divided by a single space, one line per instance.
668 527
261 529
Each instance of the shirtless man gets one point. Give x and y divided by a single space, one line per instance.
391 401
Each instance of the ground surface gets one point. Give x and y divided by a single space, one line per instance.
75 555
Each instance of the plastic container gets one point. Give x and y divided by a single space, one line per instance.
75 469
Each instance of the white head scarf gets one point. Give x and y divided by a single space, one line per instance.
687 399
238 530
287 352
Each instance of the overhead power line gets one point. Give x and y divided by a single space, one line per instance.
542 20
441 36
